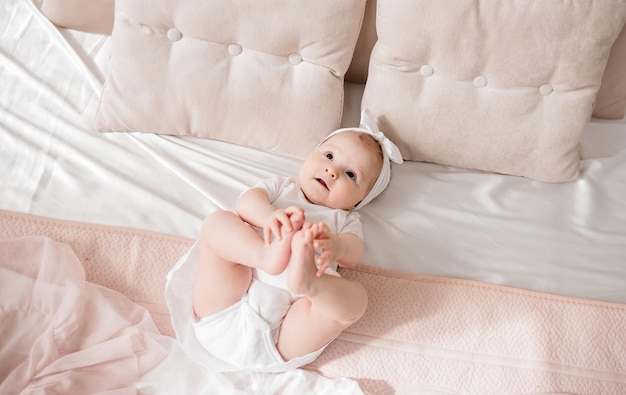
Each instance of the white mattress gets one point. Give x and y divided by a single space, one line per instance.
567 239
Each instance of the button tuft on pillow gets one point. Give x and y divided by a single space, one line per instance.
295 58
174 34
427 70
545 89
235 49
480 81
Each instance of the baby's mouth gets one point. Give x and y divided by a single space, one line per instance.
322 182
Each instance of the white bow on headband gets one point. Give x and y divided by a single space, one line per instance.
390 153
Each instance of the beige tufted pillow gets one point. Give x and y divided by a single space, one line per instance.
97 16
611 100
264 74
503 86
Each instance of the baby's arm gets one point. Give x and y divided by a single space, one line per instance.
346 248
254 207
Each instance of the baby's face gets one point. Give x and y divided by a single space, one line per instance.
340 172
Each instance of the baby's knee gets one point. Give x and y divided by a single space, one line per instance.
215 222
216 218
357 305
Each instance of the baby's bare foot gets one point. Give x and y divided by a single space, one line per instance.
301 275
276 256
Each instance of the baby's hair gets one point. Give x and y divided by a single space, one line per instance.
373 146
371 143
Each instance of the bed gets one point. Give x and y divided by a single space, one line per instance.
495 260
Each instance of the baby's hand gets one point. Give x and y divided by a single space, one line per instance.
291 219
329 243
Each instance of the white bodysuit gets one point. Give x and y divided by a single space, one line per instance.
244 335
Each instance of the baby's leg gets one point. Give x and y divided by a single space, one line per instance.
228 250
330 304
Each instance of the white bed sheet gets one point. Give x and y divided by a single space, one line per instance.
567 239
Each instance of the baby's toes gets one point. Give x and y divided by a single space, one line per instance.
297 222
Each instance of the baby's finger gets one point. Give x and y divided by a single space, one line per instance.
308 235
300 214
323 232
294 210
275 227
284 220
297 218
324 258
324 244
316 231
322 269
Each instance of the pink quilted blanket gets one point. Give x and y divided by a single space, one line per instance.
420 334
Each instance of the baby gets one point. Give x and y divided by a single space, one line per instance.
266 294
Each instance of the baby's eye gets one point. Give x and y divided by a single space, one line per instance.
351 174
329 155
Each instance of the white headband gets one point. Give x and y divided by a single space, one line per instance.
390 153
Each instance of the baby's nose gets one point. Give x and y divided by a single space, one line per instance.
331 172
